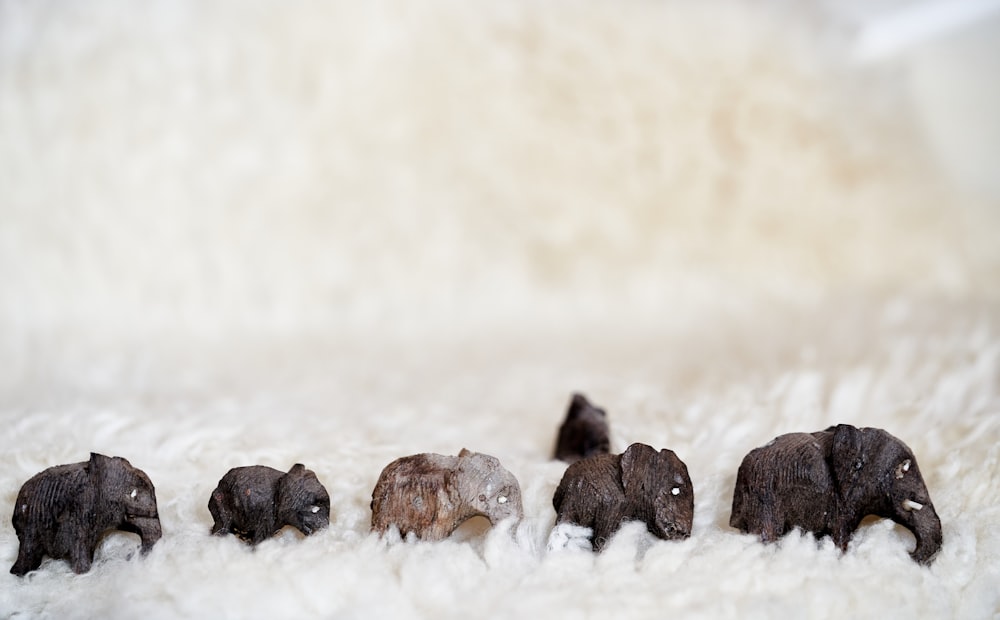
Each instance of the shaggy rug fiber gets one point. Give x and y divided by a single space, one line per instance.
340 233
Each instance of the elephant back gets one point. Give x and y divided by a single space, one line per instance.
50 494
414 492
788 460
789 476
252 488
595 476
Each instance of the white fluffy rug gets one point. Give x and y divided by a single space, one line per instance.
339 233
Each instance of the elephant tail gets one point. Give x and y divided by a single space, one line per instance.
736 519
560 494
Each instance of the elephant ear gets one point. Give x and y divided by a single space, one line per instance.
637 464
297 470
849 456
107 474
99 465
669 463
465 452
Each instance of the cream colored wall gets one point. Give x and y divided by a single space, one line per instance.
264 165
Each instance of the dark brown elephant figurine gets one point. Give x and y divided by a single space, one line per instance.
641 484
255 502
64 511
583 433
827 482
431 495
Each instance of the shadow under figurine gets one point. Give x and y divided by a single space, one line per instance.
64 511
641 484
431 495
828 481
255 502
583 433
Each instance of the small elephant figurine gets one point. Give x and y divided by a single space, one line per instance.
583 433
64 511
641 484
255 502
826 482
432 494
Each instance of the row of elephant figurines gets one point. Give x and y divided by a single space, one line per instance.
824 482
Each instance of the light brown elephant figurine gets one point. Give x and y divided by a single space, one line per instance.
431 495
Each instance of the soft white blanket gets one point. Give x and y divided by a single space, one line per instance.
339 233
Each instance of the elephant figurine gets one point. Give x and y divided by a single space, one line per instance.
828 481
583 433
641 484
255 502
64 511
431 495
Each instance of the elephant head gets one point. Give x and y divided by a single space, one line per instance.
877 474
64 511
430 495
583 433
302 501
658 490
126 498
641 484
490 490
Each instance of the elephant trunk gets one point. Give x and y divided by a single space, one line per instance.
148 529
927 531
925 524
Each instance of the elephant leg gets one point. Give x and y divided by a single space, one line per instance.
605 526
258 536
600 539
770 524
29 557
769 533
842 536
81 556
756 517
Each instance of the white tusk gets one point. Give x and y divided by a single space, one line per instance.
675 491
501 500
909 504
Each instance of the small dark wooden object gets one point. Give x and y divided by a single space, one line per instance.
431 495
583 433
64 511
828 481
641 484
255 502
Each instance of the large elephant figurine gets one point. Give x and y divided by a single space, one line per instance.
828 481
583 433
256 501
64 511
431 495
641 484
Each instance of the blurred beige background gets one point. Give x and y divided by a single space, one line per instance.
329 166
